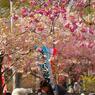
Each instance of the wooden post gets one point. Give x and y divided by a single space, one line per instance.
16 78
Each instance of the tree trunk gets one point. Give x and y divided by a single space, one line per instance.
1 85
1 88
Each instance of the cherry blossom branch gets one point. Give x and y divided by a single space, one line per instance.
6 82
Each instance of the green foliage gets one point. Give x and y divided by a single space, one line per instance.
4 4
4 8
4 12
89 83
88 10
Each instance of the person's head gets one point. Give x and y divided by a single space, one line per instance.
61 80
45 86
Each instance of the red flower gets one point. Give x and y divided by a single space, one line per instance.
54 51
15 17
24 12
